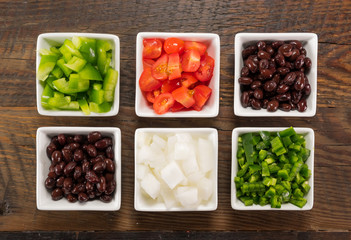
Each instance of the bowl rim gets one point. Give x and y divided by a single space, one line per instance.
207 131
54 130
286 207
302 36
213 110
115 108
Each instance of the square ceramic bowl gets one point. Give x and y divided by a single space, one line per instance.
211 108
309 136
44 201
143 137
47 40
310 43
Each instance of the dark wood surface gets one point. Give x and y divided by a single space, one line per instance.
22 21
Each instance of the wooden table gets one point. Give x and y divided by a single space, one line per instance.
22 21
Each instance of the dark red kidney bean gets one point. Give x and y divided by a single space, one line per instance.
256 104
52 168
303 51
89 186
264 103
110 187
276 78
270 86
294 54
255 84
69 168
59 181
68 183
261 45
55 141
258 93
245 80
78 155
80 187
245 99
289 65
81 180
85 166
73 146
302 69
271 64
306 80
263 64
245 71
69 139
57 194
299 74
105 198
280 60
283 71
61 139
297 44
289 78
78 138
251 65
285 107
91 194
308 63
91 150
110 165
302 105
99 166
109 177
277 44
270 50
299 62
56 157
307 89
94 137
283 97
52 175
83 197
71 198
67 155
91 176
266 73
77 172
263 55
299 83
103 143
272 106
101 185
109 152
249 51
295 97
50 183
286 50
282 88
59 168
50 149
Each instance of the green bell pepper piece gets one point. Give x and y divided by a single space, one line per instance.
265 135
68 50
61 63
59 101
73 105
263 201
270 192
109 84
238 182
300 202
89 72
87 47
305 187
273 168
265 169
253 187
100 108
64 86
97 96
277 146
287 132
57 72
48 93
247 201
83 104
275 203
47 64
240 152
262 154
295 170
76 64
243 170
283 173
248 147
298 193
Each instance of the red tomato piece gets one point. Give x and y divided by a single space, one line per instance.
173 45
187 79
201 94
152 48
195 46
170 85
159 69
148 63
191 61
163 103
174 69
177 107
205 71
184 96
147 82
151 96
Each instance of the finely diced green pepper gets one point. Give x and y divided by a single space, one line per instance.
286 141
76 64
263 201
240 152
255 139
286 185
295 169
241 161
298 202
279 188
252 187
270 192
287 132
275 203
283 159
273 168
277 146
243 170
283 173
298 193
247 201
306 187
295 147
261 145
265 169
299 179
265 135
262 155
254 178
305 153
248 147
269 160
293 159
269 181
254 168
238 182
286 196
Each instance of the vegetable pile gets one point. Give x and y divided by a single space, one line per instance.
176 74
272 168
77 75
175 169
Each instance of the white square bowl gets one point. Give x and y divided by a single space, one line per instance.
142 203
211 108
310 43
47 40
236 203
44 201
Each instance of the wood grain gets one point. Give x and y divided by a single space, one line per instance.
22 22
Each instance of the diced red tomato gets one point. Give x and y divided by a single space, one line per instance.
150 96
173 45
184 96
195 46
152 48
176 107
163 103
191 61
205 71
170 85
187 79
159 69
147 82
174 68
148 63
201 95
